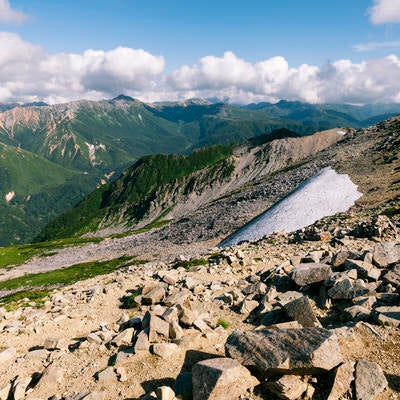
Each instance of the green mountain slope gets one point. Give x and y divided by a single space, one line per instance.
130 195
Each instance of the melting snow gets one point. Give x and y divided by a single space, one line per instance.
341 133
9 196
324 194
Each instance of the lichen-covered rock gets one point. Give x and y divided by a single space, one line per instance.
370 380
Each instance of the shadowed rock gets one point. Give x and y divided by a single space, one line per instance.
287 351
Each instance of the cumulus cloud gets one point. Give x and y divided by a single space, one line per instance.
385 11
7 14
29 73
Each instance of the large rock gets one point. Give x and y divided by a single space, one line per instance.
154 296
305 274
301 311
124 338
344 376
370 380
385 254
286 351
220 379
348 289
393 276
364 269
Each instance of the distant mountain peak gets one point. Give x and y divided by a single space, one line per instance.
123 97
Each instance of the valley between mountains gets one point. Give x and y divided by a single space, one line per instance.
132 294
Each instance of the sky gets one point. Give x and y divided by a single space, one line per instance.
346 51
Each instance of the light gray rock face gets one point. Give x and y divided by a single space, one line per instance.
393 276
107 375
286 351
364 269
7 355
220 379
301 311
154 296
385 254
165 350
305 274
370 380
157 328
165 393
344 376
124 338
142 342
289 387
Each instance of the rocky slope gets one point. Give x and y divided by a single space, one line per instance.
283 317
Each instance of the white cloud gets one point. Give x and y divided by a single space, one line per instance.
7 14
371 46
385 11
28 73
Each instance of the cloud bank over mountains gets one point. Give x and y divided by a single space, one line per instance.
29 73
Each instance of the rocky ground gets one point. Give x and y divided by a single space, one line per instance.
311 315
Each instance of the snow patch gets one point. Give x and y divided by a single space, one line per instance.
341 133
92 148
140 117
324 194
9 196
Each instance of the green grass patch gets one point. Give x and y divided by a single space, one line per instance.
129 301
391 211
66 276
191 263
16 255
13 300
222 322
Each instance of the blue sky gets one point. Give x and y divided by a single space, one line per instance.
185 43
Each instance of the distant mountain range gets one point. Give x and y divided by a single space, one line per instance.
51 156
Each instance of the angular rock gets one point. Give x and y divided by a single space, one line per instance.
387 315
344 376
175 331
286 351
154 296
348 289
106 375
287 297
170 315
142 342
305 274
19 387
393 276
121 374
7 355
5 392
124 338
301 311
51 343
247 306
177 298
50 377
385 254
199 324
364 269
357 313
93 338
157 328
165 393
370 380
186 316
165 350
289 387
220 379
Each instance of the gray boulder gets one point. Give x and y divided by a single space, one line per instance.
370 380
286 351
305 274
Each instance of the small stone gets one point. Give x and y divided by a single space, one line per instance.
50 376
388 315
170 315
157 328
154 296
370 380
106 375
142 342
247 306
177 298
121 374
93 338
201 325
357 313
165 393
50 343
175 331
348 289
365 270
186 316
165 350
124 338
289 387
220 379
300 310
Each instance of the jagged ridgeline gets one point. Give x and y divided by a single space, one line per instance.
129 198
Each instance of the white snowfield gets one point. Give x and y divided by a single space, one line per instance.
324 194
